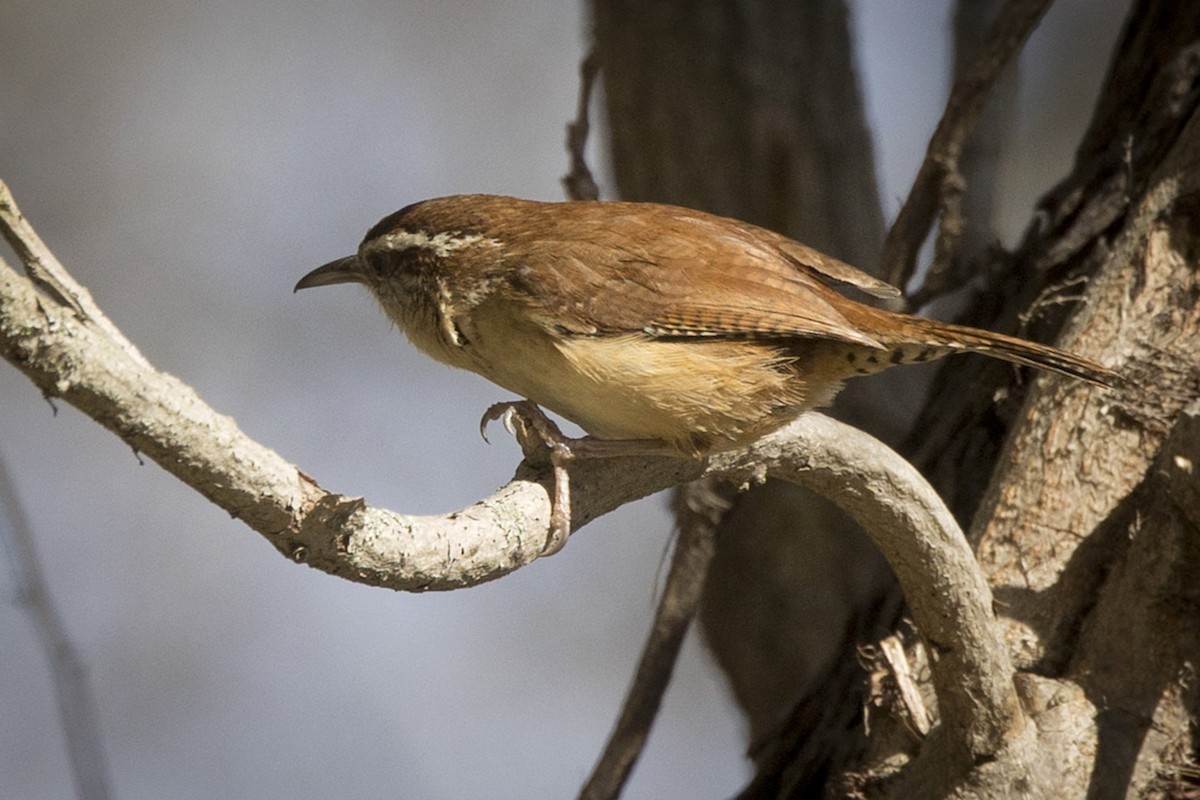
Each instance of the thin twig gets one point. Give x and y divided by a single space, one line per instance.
579 183
965 216
951 226
1054 294
938 184
681 597
76 703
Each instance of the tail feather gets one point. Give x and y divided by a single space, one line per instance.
930 336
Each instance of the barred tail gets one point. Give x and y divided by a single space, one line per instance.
930 338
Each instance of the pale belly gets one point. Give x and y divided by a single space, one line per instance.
697 395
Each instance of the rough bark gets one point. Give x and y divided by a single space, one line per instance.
1091 555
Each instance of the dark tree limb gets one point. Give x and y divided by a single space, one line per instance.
681 596
937 189
579 183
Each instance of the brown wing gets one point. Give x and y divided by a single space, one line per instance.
839 271
669 271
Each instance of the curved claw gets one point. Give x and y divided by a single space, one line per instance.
498 411
535 423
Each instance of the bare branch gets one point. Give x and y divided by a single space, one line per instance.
579 183
939 184
49 275
76 703
946 591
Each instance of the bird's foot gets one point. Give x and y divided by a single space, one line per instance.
541 441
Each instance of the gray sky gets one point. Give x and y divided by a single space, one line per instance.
188 162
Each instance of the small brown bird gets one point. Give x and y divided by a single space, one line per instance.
683 331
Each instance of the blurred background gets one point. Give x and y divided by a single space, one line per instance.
188 162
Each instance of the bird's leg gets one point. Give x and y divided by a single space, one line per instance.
541 440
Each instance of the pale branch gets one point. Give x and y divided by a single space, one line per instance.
156 414
939 184
49 275
949 598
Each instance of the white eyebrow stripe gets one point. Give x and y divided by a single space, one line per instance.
442 244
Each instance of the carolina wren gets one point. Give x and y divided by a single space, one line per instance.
681 330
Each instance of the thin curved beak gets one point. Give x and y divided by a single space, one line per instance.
344 270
